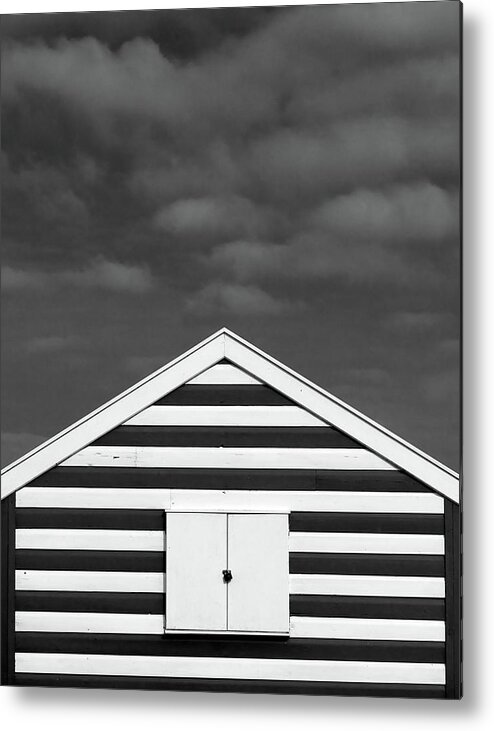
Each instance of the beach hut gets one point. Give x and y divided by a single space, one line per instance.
227 525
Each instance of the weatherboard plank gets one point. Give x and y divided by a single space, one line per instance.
301 542
392 586
215 685
89 540
226 374
228 458
303 649
368 564
300 627
53 560
366 543
291 437
154 582
299 521
89 622
93 601
106 581
300 604
222 479
373 607
165 499
237 668
224 395
74 518
224 416
357 628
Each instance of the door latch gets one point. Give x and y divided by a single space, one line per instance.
227 576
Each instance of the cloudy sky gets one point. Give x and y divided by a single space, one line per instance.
290 173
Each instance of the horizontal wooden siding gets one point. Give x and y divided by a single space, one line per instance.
367 590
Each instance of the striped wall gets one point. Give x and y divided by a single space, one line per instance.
367 553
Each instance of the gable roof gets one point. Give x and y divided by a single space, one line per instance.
220 345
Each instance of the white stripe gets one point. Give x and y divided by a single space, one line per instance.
402 543
127 581
343 628
96 540
153 540
320 584
352 585
88 497
223 373
140 624
228 458
233 668
224 500
224 416
301 627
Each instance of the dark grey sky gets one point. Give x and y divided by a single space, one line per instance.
291 173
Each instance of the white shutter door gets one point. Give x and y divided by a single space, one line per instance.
258 598
196 554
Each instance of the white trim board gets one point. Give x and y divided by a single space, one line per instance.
260 365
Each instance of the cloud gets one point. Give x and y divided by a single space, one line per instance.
219 298
99 274
45 193
241 86
315 257
211 218
301 164
361 236
16 279
417 322
51 343
419 212
110 275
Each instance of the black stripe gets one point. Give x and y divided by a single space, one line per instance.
366 564
8 590
201 646
89 601
367 522
90 519
212 436
283 687
370 607
300 605
219 479
452 517
224 395
90 560
299 521
300 563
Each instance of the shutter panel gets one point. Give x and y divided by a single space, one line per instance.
196 554
258 595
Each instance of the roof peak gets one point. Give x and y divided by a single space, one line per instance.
225 344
